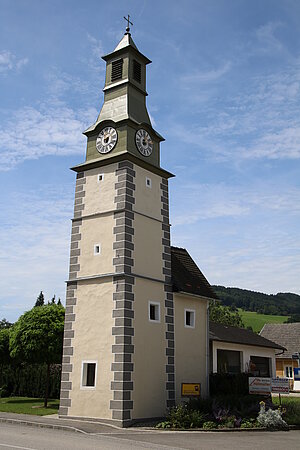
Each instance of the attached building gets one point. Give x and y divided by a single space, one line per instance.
236 350
287 335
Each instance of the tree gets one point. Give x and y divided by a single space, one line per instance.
4 350
59 303
37 337
224 315
40 301
5 324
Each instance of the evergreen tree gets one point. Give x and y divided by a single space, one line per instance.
59 302
53 300
40 301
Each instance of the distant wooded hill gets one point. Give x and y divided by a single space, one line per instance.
285 304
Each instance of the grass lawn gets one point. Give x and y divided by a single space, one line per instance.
292 406
257 321
25 405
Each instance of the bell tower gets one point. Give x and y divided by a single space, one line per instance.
118 358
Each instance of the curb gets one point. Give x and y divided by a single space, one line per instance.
162 430
41 425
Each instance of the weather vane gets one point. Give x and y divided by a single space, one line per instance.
128 22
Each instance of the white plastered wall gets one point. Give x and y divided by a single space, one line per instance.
147 200
149 376
246 352
93 341
191 361
96 230
99 195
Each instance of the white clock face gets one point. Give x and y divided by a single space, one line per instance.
106 140
144 142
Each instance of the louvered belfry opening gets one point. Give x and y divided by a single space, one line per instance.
117 69
137 71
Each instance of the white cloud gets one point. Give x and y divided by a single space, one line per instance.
196 202
8 62
261 120
34 247
95 53
33 133
203 77
267 39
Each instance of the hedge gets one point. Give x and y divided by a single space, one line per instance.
29 380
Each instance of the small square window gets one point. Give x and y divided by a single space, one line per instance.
154 312
148 182
189 318
97 249
100 177
89 371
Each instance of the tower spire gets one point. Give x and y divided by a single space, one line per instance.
128 22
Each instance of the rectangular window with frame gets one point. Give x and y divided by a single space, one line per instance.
89 373
288 372
100 177
189 318
148 182
154 311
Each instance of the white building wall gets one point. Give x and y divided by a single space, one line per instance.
246 352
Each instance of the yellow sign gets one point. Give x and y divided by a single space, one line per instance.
190 389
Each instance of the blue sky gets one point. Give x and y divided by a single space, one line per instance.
224 91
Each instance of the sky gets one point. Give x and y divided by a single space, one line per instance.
224 91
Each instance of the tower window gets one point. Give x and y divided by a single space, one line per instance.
137 71
154 311
100 177
97 249
189 318
116 69
148 182
88 374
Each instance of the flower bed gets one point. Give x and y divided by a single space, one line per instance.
233 414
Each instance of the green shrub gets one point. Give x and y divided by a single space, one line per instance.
4 392
165 424
209 425
249 423
182 417
290 410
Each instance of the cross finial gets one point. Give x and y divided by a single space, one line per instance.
128 22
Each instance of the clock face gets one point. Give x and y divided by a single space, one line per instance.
144 142
106 140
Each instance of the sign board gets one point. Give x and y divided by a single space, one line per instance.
264 386
280 385
260 386
297 373
190 389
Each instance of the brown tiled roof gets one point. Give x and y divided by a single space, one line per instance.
225 333
186 275
286 334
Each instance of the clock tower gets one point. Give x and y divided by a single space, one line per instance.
118 357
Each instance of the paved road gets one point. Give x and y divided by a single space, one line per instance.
22 437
